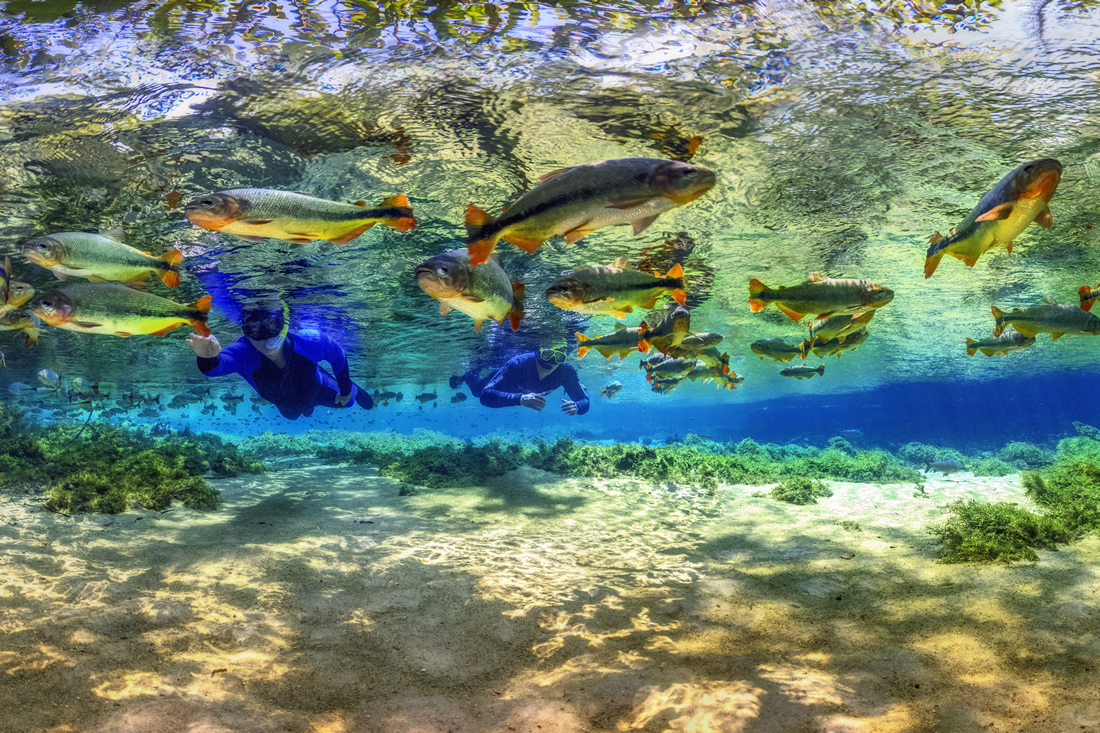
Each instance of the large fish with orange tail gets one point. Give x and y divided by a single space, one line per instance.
669 332
1088 296
1021 197
116 310
482 293
574 202
621 341
820 295
1052 318
615 290
96 257
256 213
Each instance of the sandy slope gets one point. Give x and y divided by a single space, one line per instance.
319 600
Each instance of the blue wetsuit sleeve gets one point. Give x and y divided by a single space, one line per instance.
575 390
229 361
496 394
317 346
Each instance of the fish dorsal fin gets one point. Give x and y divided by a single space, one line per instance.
360 202
622 263
619 326
1047 300
816 277
554 174
305 193
114 233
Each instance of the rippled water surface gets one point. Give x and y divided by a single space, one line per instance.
842 137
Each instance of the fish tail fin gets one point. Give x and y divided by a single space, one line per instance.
581 348
932 262
515 313
406 220
171 276
479 245
676 272
679 295
725 361
970 348
202 305
1086 302
756 289
643 344
821 370
998 314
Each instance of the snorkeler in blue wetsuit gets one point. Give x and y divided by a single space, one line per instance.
526 380
281 366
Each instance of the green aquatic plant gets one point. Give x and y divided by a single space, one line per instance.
1068 490
841 444
1024 455
920 454
1086 431
992 466
982 532
798 490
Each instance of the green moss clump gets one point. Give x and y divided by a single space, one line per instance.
1024 455
841 444
919 454
1070 491
798 490
1086 431
984 533
993 467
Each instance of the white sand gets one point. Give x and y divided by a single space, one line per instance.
536 604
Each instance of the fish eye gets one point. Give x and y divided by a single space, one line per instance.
441 270
43 246
207 202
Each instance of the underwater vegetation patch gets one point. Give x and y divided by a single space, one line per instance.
798 490
921 454
104 468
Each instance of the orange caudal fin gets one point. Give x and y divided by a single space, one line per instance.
1086 301
970 347
202 305
676 272
931 263
679 295
757 288
400 200
998 314
406 221
171 276
581 348
515 313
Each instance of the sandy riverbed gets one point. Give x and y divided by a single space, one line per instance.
317 599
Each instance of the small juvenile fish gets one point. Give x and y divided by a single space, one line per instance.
116 310
383 398
1021 197
775 349
667 334
1088 296
1010 340
256 213
820 295
621 341
615 290
1055 319
664 386
17 319
611 389
482 293
458 397
426 397
575 202
96 257
802 372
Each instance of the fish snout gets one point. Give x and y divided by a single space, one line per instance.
43 251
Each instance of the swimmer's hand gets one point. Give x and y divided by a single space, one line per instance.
569 407
533 400
343 399
205 347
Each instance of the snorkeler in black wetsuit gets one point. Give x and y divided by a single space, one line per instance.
281 366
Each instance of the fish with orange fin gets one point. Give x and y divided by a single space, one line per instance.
13 293
96 257
117 310
820 295
775 349
621 341
574 202
1009 340
1052 318
838 327
669 332
17 319
1021 197
258 213
1088 296
482 293
821 349
615 290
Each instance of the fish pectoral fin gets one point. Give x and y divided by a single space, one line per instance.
444 309
477 325
1045 220
651 303
640 225
622 263
352 234
60 275
473 299
1054 336
629 204
554 174
576 234
256 222
1024 331
1008 246
123 334
998 212
935 238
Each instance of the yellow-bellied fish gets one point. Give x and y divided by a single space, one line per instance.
700 341
775 349
821 349
17 319
116 310
802 372
1009 340
1052 318
577 201
621 341
838 327
256 213
669 332
483 293
1021 197
709 356
670 369
12 292
820 295
615 290
100 258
